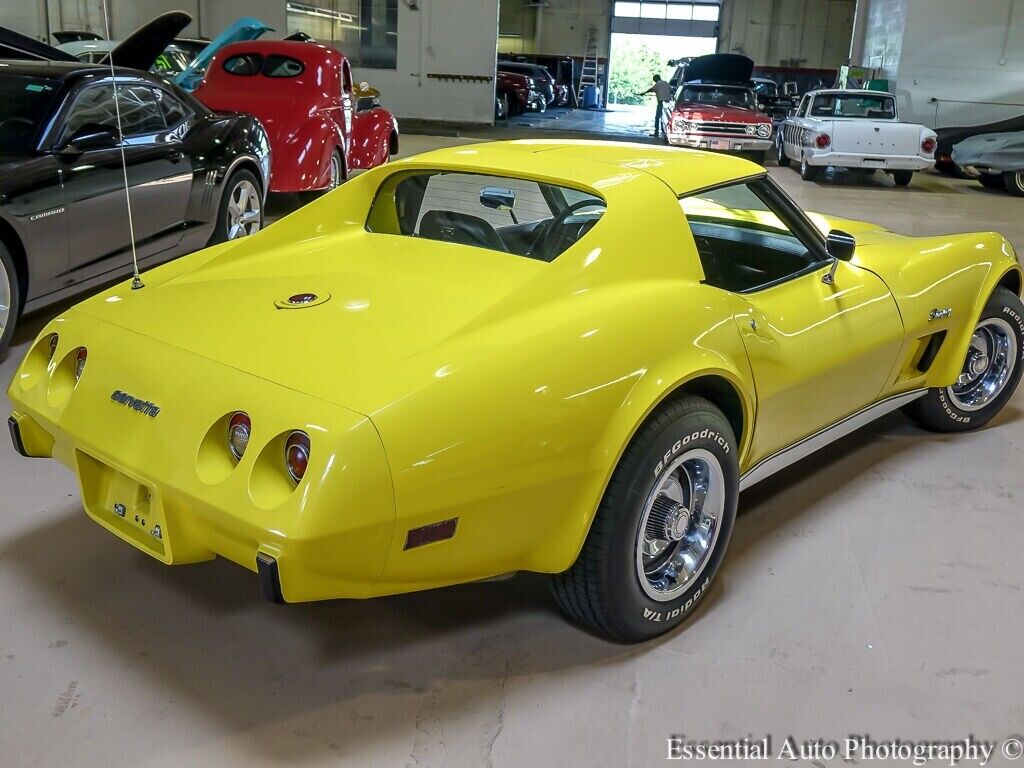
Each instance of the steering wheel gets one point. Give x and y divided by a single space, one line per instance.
16 121
548 245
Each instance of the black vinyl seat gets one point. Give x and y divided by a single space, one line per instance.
462 228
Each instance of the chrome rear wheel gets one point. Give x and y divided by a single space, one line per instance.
680 524
243 212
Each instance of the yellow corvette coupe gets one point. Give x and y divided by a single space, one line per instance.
559 357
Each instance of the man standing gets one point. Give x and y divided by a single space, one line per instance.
662 92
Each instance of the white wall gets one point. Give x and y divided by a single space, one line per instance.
805 33
951 62
564 25
442 37
884 22
967 55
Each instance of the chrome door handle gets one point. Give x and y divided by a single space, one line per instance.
175 155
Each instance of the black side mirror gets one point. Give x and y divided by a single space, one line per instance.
89 137
840 245
498 198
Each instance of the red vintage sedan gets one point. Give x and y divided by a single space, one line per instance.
722 117
320 129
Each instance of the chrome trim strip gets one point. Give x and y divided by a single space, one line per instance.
803 448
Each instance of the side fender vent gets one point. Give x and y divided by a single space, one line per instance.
930 351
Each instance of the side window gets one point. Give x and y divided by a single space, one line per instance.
245 64
174 111
499 213
282 66
346 79
140 112
743 244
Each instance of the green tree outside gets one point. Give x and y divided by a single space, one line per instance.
634 62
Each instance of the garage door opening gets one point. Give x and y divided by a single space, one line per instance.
634 58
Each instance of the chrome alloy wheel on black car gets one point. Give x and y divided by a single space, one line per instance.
243 210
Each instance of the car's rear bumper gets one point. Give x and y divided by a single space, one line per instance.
725 143
880 162
164 485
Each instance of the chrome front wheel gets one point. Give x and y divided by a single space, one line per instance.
335 172
680 524
244 215
10 297
988 367
6 296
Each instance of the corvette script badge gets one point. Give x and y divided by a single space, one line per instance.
142 406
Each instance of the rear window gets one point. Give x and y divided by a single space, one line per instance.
510 215
274 65
866 106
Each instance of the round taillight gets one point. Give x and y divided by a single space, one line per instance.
928 145
239 429
296 455
54 338
80 364
823 140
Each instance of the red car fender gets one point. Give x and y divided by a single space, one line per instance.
371 138
301 159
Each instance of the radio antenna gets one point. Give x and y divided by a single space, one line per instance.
136 278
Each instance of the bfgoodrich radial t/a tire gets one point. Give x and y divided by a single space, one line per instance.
990 374
662 527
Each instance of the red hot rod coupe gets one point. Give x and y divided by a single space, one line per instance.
303 94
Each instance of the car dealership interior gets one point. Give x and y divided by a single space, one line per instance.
511 382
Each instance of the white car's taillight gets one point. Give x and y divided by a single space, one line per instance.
823 141
928 145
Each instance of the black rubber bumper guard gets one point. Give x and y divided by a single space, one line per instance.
19 444
270 578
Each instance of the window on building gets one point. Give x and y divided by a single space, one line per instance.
366 31
673 10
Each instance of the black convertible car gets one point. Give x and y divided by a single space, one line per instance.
196 177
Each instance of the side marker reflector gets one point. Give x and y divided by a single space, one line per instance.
428 534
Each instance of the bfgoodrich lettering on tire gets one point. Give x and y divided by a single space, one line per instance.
990 373
661 530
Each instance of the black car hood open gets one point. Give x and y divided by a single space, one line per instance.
733 68
14 45
142 47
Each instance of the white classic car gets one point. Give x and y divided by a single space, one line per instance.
854 129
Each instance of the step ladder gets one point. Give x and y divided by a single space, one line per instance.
588 74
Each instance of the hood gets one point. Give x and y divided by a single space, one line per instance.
692 110
14 45
245 28
142 47
1001 151
397 310
720 68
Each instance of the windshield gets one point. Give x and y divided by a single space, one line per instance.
718 95
24 103
172 61
873 107
766 88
